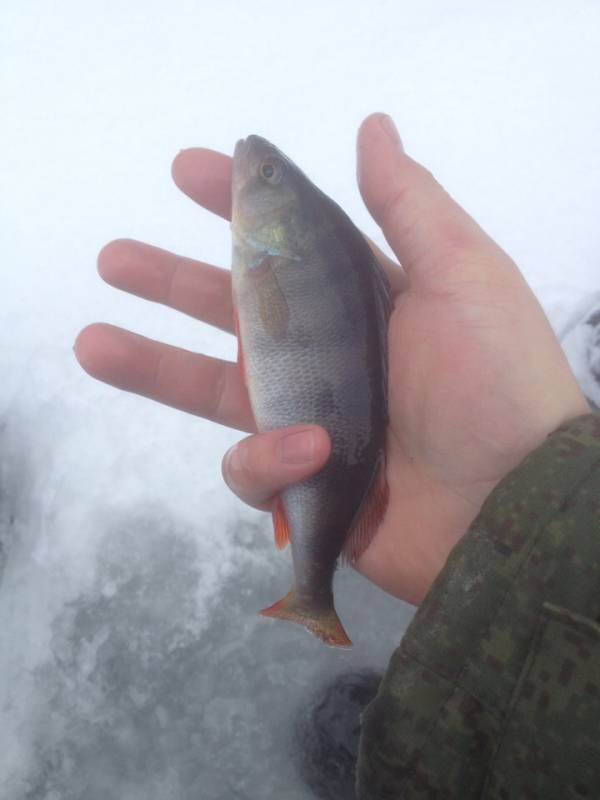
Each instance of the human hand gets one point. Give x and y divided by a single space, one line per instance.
477 378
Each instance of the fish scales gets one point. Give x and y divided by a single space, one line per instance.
312 307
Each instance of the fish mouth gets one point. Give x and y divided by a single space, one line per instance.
241 148
239 177
242 163
247 156
251 148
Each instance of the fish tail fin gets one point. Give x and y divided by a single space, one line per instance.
323 623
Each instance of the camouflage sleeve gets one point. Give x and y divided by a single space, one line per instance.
494 691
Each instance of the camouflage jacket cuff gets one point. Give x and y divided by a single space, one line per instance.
494 691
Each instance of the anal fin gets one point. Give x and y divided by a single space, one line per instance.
281 527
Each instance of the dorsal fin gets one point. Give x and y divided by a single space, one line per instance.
384 305
361 254
370 515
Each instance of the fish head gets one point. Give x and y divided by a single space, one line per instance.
268 192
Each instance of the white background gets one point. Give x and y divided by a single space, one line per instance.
499 100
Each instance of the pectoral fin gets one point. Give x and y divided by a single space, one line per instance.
272 305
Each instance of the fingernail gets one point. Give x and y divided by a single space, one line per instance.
234 463
387 123
297 448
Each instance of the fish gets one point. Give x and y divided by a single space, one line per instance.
311 306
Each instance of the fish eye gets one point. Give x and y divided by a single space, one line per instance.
271 171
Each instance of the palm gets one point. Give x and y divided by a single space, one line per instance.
468 367
476 376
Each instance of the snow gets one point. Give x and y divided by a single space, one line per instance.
132 663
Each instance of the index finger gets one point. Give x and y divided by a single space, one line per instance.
205 176
435 239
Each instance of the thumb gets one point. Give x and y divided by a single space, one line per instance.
261 466
432 236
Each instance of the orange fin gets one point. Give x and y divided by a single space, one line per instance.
281 525
323 623
369 517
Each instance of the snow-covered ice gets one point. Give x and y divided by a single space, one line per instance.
132 662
